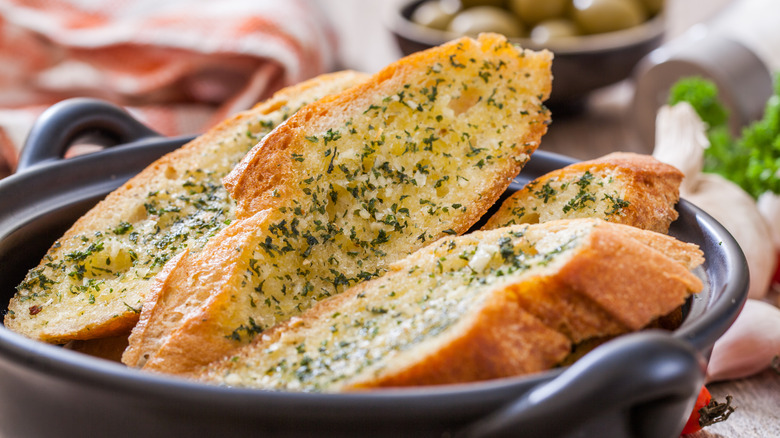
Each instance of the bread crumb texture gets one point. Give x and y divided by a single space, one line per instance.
350 184
457 311
93 280
621 187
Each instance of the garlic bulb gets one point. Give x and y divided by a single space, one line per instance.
736 210
680 141
681 138
749 345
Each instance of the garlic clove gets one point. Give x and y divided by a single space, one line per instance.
681 138
749 345
733 208
680 141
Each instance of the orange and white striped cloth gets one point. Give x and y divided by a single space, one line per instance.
178 65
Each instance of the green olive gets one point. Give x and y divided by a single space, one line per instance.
479 19
598 16
556 28
471 3
459 5
532 12
432 14
653 6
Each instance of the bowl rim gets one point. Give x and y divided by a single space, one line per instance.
54 360
654 27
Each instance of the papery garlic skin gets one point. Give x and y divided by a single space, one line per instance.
680 141
681 137
749 345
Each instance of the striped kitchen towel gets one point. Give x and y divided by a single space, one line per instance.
177 65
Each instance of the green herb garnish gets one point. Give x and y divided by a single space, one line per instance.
752 160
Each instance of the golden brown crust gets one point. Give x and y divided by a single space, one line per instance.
682 252
503 340
565 309
351 183
164 330
109 348
586 284
99 311
617 266
649 188
268 167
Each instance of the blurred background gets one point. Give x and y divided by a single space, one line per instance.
182 65
605 119
367 44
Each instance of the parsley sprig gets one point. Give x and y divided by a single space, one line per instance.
751 160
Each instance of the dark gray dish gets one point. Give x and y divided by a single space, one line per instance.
639 385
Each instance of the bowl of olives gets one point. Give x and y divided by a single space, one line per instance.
595 42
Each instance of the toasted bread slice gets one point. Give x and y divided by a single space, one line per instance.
348 185
456 311
109 348
621 187
92 282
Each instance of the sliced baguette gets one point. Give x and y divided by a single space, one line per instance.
456 311
621 187
345 187
109 348
92 282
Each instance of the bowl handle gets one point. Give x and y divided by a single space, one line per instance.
70 120
649 380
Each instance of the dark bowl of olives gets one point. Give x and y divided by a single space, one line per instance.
596 43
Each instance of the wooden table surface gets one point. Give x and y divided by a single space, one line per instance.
603 126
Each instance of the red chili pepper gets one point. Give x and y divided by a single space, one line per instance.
707 411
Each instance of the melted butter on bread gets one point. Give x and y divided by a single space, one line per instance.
92 282
458 310
620 187
348 185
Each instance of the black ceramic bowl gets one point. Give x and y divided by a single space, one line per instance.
582 64
639 385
